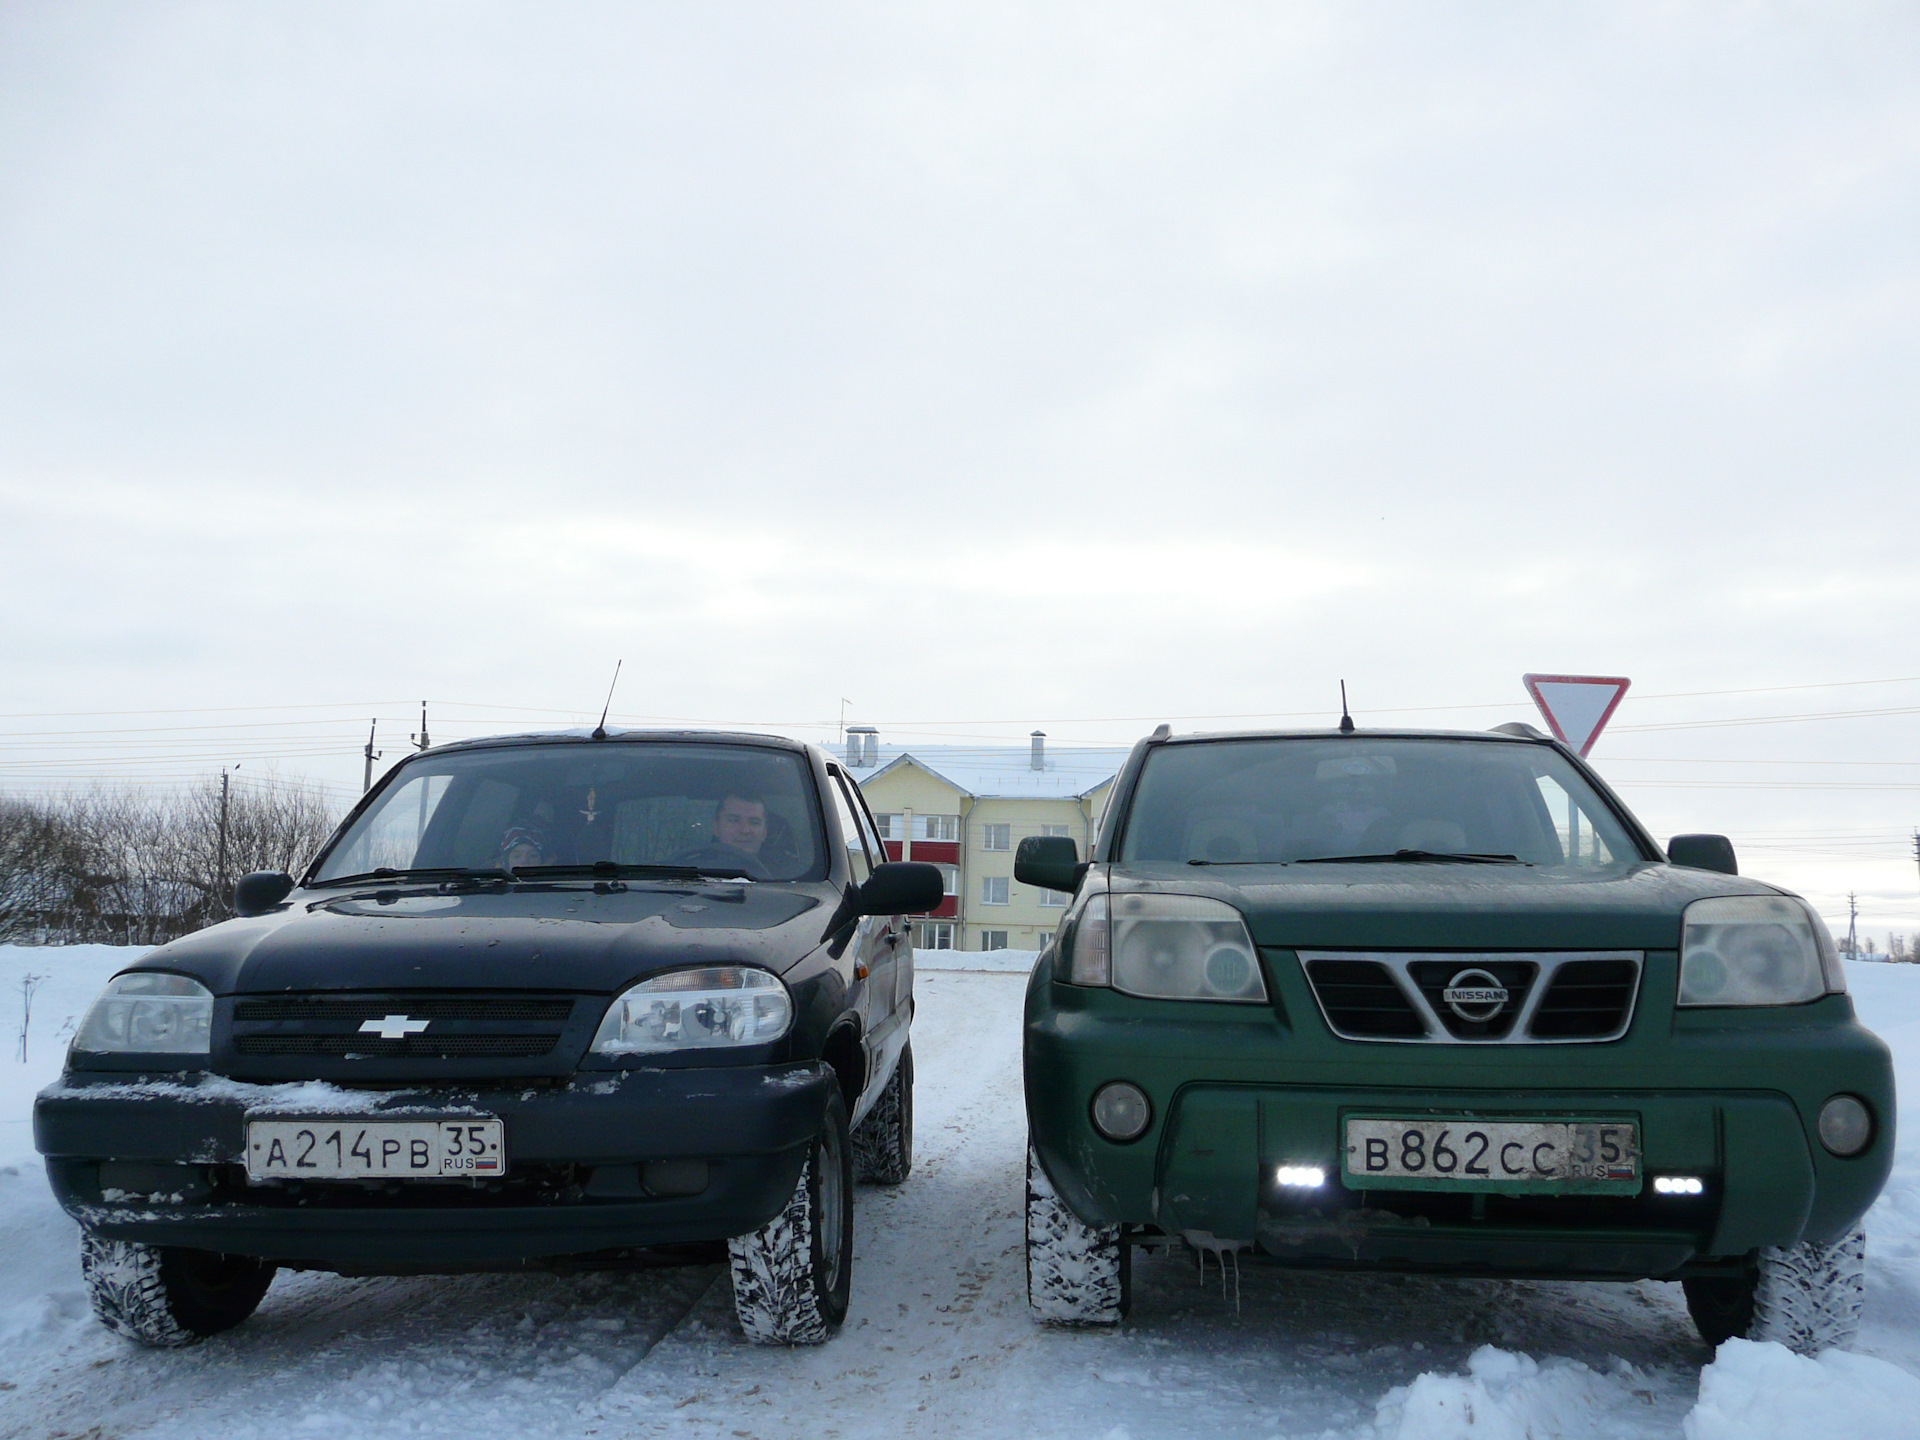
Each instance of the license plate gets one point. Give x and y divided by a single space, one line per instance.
375 1149
1464 1153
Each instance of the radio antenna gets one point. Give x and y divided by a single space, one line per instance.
1346 720
600 730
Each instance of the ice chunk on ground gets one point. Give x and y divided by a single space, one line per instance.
1507 1396
1763 1391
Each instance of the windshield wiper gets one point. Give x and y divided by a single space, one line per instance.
1459 857
423 873
611 870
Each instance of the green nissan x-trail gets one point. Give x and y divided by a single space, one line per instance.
1437 1003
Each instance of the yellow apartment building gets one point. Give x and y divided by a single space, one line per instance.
966 809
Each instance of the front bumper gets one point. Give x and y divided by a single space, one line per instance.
573 1189
1239 1092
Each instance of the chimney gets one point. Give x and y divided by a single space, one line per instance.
1039 758
873 746
860 746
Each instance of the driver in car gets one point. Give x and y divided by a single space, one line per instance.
741 824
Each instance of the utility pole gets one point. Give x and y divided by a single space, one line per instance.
220 868
420 741
1853 918
366 782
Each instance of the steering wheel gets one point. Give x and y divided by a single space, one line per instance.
714 855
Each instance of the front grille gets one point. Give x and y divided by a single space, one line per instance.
373 1046
1550 997
1587 998
331 1007
1361 999
425 1027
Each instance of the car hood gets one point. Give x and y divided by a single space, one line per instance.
570 937
1428 906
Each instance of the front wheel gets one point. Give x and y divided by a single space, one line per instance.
1077 1274
1807 1297
793 1276
167 1296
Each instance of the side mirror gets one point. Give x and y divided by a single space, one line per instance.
1050 861
902 887
259 892
1703 852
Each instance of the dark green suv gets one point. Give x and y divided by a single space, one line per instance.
1434 1002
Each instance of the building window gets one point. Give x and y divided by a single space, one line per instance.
1060 830
950 875
933 935
1042 939
889 826
993 939
1053 899
996 837
993 889
936 827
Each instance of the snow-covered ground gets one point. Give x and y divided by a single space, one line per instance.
938 1342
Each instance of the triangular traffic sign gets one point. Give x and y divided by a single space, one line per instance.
1577 707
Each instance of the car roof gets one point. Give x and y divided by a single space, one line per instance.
1491 737
617 736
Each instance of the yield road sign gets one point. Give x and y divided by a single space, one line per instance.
1577 707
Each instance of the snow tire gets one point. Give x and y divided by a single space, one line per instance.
1077 1274
1807 1297
883 1145
793 1276
167 1297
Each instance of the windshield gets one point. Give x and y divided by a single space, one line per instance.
743 810
1289 801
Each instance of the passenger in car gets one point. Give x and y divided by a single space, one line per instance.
523 845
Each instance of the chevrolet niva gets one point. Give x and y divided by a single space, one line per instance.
1437 1003
562 1001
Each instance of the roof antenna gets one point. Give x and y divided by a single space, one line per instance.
1346 720
600 730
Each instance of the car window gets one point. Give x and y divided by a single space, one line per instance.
630 802
1286 800
859 856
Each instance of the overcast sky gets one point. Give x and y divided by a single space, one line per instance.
985 366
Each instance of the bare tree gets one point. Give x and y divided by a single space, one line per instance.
133 868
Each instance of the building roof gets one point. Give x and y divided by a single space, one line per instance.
1003 772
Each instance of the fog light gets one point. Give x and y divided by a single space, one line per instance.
1301 1177
1121 1111
1679 1185
1846 1125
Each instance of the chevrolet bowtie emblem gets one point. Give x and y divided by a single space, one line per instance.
393 1027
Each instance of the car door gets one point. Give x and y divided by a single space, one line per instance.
899 929
872 946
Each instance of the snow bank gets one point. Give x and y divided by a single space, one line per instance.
1506 1396
1009 962
1766 1392
74 975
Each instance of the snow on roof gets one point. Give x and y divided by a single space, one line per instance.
1000 772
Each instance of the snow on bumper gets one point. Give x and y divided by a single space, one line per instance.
574 1183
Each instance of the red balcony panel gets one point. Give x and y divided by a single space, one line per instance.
936 852
949 908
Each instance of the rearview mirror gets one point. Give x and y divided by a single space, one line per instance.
902 887
1050 861
1703 852
259 892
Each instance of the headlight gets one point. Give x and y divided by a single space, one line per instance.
707 1009
147 1013
1754 950
1166 947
